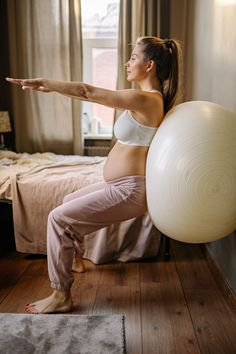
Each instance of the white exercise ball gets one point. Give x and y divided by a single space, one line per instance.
191 173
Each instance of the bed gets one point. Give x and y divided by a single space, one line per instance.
36 183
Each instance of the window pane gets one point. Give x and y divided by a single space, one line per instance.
100 31
103 72
100 18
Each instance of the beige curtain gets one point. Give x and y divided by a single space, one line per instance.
45 41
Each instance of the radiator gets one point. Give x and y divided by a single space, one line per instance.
96 150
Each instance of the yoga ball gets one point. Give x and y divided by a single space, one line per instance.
191 173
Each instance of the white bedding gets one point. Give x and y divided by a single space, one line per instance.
13 164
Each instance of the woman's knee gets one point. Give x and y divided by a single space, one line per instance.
71 196
55 215
66 198
57 225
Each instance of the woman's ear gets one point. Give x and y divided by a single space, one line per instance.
150 65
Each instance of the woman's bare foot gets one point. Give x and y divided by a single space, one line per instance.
78 265
59 301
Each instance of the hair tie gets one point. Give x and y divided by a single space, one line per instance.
168 43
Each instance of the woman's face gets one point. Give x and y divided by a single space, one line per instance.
136 66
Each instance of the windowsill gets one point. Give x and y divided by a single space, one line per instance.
98 137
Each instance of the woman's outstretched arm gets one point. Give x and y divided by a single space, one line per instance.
135 100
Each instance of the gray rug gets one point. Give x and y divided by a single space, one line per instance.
57 334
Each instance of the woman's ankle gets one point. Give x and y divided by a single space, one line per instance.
62 294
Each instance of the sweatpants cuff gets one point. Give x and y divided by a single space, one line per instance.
60 287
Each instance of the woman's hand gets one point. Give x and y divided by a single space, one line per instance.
32 84
67 88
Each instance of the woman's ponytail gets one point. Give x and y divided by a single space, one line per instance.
168 58
171 86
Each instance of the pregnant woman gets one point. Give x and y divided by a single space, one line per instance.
154 66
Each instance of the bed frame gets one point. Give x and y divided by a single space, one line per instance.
7 241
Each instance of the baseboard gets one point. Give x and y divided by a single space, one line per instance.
222 282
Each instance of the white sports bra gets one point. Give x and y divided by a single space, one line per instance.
129 131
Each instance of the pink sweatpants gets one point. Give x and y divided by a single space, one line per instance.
87 210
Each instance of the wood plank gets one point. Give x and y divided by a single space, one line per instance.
213 321
192 266
150 271
119 293
85 288
166 323
11 269
124 300
123 274
28 289
38 265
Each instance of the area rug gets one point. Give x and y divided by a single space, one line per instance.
57 334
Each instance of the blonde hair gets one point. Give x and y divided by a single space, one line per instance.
167 55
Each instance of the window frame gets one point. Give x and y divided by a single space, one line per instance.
88 45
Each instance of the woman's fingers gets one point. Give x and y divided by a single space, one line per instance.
14 81
32 84
25 82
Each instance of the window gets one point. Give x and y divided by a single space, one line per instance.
100 34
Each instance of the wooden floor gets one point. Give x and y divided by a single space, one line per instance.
170 307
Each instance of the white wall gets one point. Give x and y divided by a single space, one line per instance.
212 40
207 29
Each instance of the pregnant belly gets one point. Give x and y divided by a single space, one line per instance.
123 161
